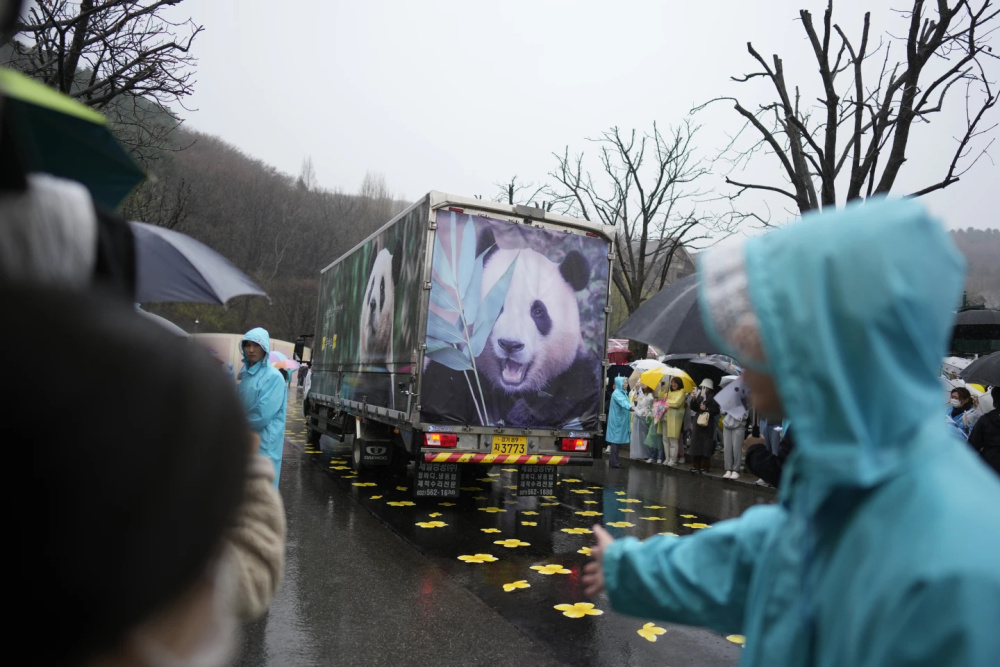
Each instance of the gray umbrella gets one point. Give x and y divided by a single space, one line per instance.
984 370
670 320
173 267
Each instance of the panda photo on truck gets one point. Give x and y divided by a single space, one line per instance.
535 369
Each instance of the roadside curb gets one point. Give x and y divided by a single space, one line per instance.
746 479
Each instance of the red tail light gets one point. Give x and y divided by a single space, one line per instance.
574 445
440 440
456 209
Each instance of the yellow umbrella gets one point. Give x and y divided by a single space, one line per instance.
654 376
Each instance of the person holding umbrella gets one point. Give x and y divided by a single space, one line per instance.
263 392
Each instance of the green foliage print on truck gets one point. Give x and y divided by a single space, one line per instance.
368 312
515 329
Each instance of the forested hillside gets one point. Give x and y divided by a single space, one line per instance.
281 230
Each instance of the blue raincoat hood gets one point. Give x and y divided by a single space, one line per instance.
261 337
854 331
619 383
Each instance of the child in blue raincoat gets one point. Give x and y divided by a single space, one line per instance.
619 428
882 549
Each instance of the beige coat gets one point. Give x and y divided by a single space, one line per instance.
256 545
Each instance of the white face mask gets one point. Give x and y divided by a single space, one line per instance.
955 403
219 642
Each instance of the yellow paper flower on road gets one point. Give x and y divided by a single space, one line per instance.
478 558
653 507
688 516
350 477
547 504
621 524
510 502
490 530
513 488
579 610
434 514
696 526
588 513
584 550
550 569
549 497
597 488
401 488
512 543
590 502
737 639
628 500
446 504
650 632
572 480
340 467
625 509
401 503
577 531
619 493
469 488
509 469
492 474
529 523
582 492
514 585
530 513
492 510
652 518
364 483
431 524
376 498
485 479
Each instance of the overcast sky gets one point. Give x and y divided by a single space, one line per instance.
455 96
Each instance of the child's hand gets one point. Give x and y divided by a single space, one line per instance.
593 572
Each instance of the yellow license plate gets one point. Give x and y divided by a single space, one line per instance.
510 444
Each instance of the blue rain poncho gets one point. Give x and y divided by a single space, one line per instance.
263 392
882 549
619 424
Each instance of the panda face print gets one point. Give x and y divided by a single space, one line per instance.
537 335
377 310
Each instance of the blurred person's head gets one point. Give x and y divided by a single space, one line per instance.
676 384
136 449
848 349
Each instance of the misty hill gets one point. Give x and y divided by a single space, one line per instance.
981 248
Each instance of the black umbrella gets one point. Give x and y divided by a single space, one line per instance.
670 320
977 317
173 267
984 370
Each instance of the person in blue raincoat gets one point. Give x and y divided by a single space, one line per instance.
619 424
882 549
262 390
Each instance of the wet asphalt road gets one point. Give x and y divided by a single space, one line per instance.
366 584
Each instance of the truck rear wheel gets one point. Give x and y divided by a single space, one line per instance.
357 460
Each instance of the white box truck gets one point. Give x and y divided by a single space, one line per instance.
465 333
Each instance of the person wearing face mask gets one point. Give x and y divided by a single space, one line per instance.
962 411
127 529
878 552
